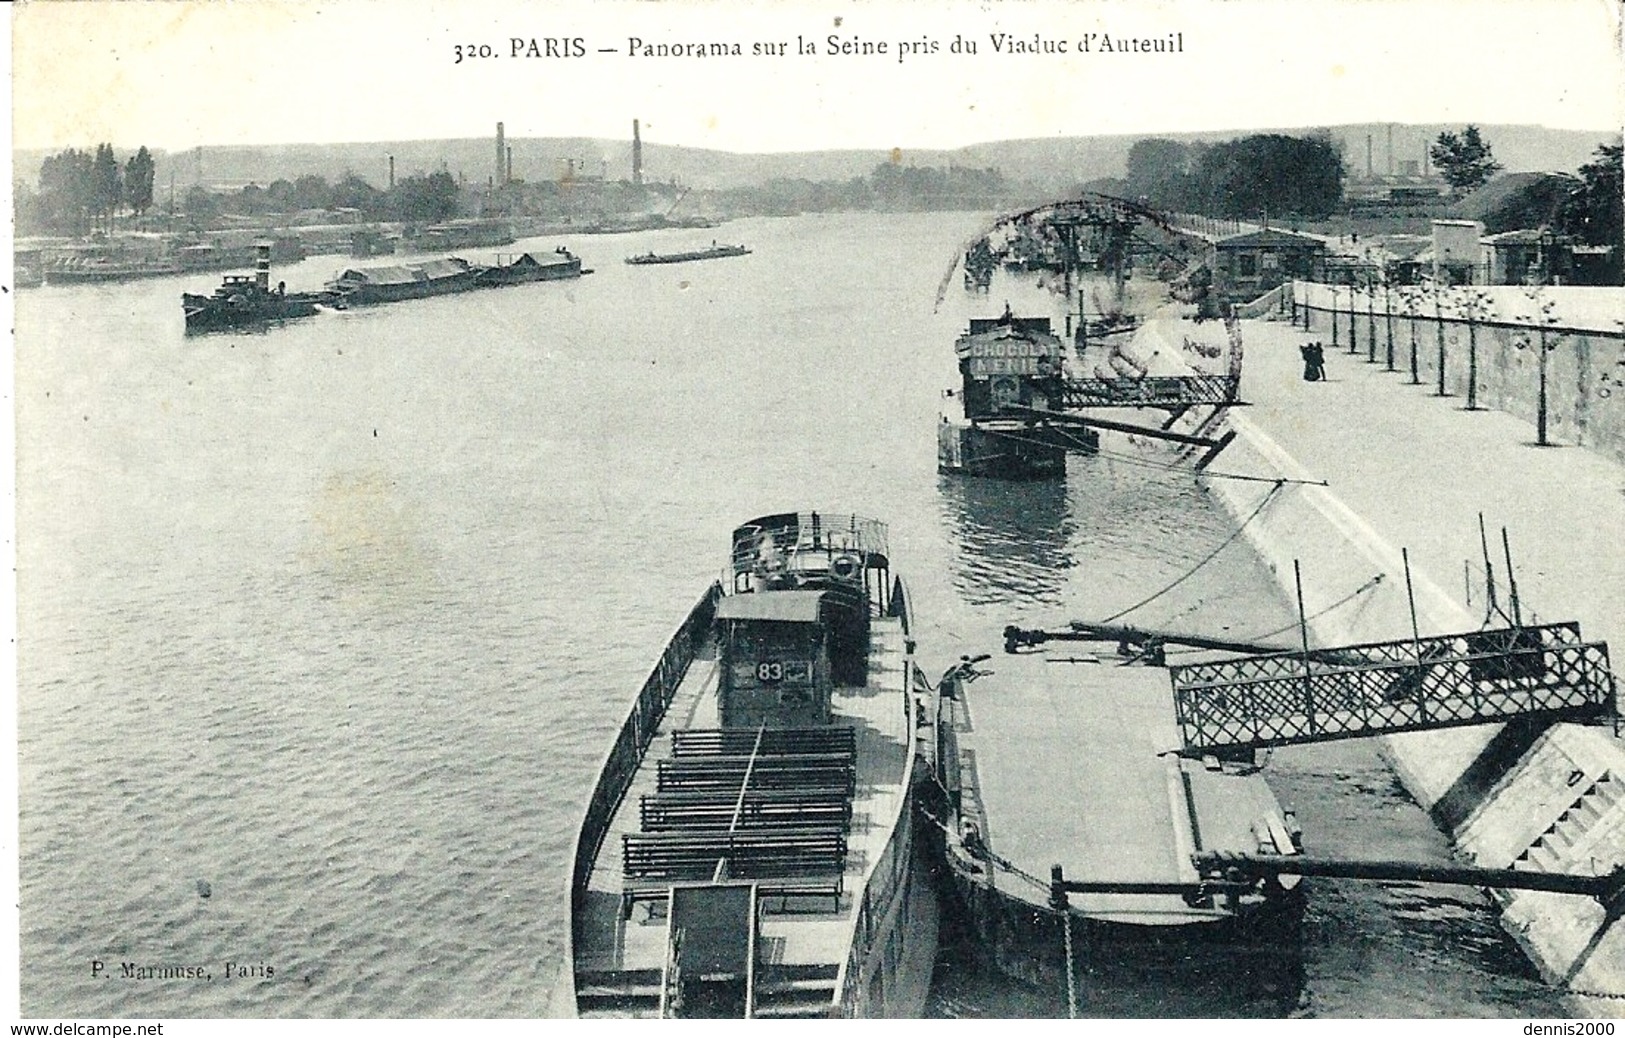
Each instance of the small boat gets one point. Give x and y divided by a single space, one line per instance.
1072 769
748 847
714 252
554 266
362 286
243 300
96 269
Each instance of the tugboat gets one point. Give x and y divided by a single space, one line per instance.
748 848
241 300
714 252
1071 772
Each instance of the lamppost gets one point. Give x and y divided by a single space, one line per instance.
1369 276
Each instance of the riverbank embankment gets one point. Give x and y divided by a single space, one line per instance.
1407 470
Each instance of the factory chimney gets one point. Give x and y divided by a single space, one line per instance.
392 172
637 154
1369 170
502 157
1390 149
508 178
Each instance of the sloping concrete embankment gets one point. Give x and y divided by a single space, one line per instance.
1510 795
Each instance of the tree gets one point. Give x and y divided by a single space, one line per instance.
420 197
138 173
1267 173
1593 212
106 185
1159 171
352 192
1464 160
65 191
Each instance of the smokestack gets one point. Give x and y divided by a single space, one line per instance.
262 265
502 155
1390 149
392 172
1369 171
637 154
1425 170
508 179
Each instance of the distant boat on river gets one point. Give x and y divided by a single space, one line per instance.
549 266
243 300
714 252
362 286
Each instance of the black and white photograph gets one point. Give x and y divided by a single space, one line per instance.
1103 510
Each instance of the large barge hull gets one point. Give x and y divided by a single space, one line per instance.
1244 965
1011 452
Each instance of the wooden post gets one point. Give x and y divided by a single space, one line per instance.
1371 320
1471 311
1303 634
1334 316
1388 312
1438 323
1059 902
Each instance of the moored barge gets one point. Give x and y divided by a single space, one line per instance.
363 286
748 848
714 252
1051 764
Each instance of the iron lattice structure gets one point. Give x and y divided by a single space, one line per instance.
1382 688
1165 391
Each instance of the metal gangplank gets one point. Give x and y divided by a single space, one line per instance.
1382 688
1162 391
1278 697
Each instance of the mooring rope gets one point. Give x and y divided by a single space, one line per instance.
1071 966
1209 557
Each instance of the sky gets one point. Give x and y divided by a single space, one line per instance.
174 74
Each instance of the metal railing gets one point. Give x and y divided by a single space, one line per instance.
632 741
1387 687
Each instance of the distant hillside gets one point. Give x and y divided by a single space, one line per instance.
1055 163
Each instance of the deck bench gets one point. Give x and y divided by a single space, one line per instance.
693 742
751 813
807 861
782 888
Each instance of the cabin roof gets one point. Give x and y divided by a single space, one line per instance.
1270 238
443 267
796 607
380 275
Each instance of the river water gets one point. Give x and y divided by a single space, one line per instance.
325 628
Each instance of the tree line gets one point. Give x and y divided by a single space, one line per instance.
84 191
81 192
417 198
1239 179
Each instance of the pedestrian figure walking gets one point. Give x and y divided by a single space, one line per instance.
1314 361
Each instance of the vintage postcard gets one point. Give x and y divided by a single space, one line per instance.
702 509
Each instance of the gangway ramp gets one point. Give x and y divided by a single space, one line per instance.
1383 688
